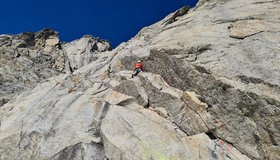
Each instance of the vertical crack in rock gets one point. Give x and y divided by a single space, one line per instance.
68 67
20 135
105 109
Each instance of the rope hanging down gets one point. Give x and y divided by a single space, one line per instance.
220 141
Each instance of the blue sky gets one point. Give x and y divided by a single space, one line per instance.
115 20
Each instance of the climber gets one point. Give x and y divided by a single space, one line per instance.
137 68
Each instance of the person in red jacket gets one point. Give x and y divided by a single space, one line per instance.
137 68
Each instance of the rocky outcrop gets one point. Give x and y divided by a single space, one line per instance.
29 58
245 28
209 90
182 11
85 50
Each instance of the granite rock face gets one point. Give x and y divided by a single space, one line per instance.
29 58
85 50
210 90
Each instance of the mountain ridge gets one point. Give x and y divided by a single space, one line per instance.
29 58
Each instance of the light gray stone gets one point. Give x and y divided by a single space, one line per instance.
29 58
214 72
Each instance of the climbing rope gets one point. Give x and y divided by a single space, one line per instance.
220 141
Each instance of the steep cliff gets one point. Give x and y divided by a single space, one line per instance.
210 90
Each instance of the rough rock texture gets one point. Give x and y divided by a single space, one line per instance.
85 50
210 90
28 58
83 115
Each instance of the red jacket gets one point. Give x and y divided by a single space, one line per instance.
138 65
